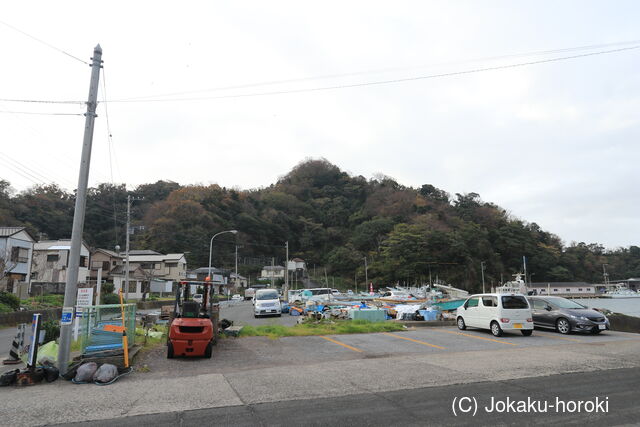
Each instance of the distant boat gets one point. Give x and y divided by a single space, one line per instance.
622 292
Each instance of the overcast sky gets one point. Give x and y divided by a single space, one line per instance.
554 143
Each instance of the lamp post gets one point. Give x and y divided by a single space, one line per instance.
211 247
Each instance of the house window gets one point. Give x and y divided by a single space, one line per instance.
133 286
568 290
171 264
83 261
588 289
580 289
555 290
53 257
113 263
34 275
147 265
105 265
19 254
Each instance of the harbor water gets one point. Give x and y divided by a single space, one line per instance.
628 306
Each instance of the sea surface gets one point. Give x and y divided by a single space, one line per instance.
628 306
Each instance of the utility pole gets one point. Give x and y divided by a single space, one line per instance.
126 268
237 278
286 272
366 276
273 271
482 270
71 284
605 275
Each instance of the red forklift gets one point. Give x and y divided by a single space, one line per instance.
193 326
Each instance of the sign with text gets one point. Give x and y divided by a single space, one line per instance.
67 316
85 297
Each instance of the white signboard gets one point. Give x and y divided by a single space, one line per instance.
85 297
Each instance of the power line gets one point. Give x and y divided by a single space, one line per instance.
42 101
385 70
384 82
109 144
44 43
39 114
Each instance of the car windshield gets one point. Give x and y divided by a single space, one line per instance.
267 295
514 302
566 303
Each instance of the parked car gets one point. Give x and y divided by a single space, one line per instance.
236 297
266 302
566 316
496 312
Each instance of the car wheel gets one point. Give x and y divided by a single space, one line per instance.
208 350
496 330
527 333
563 326
169 350
595 331
461 324
279 314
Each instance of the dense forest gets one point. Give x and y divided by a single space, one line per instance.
332 220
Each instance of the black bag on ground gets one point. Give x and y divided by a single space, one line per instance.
51 373
9 378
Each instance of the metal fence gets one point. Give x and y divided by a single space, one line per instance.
95 335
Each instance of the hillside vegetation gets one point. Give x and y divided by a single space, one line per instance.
332 220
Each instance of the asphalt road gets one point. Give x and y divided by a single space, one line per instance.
430 405
241 313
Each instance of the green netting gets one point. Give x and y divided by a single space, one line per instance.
92 334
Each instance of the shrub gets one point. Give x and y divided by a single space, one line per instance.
110 299
4 308
10 300
52 330
107 288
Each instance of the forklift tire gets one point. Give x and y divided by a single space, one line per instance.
208 350
169 350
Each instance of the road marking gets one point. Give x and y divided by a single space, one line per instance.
473 336
342 344
559 338
416 341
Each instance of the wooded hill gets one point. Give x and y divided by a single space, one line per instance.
332 220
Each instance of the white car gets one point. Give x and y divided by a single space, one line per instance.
267 302
496 312
236 297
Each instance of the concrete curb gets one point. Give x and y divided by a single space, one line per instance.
423 324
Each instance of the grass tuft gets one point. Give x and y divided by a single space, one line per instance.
320 328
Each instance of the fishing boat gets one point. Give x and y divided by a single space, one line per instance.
622 292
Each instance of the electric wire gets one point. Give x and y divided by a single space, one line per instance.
109 144
386 70
385 82
44 43
39 113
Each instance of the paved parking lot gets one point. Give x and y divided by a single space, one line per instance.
249 353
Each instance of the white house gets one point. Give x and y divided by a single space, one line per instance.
297 264
16 252
272 272
563 288
171 267
50 264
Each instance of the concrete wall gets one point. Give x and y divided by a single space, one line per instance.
27 316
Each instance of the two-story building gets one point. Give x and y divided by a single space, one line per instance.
149 271
106 260
272 272
297 264
50 264
16 251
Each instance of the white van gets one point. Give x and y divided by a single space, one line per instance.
266 302
496 312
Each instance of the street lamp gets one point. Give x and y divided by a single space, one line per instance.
211 247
